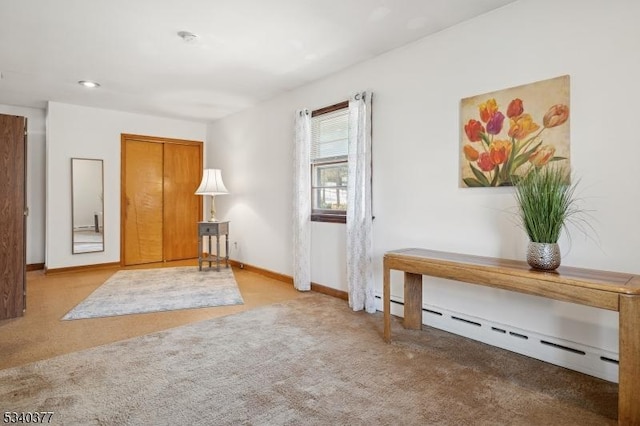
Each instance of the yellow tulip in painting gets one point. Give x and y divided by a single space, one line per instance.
506 133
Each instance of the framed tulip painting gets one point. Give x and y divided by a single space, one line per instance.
505 133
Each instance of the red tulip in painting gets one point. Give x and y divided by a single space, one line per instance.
503 139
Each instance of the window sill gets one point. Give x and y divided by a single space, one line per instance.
328 218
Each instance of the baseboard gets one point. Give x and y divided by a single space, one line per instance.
265 272
111 265
35 266
319 288
565 353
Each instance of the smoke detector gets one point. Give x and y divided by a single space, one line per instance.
187 36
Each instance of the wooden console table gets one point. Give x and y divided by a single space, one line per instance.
607 290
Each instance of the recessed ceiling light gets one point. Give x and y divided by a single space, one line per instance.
187 36
88 83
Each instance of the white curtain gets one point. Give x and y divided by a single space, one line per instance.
302 202
359 215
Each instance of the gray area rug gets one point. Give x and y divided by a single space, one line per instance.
137 291
309 361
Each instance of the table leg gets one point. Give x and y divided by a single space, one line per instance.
199 252
412 301
386 296
629 363
218 252
226 249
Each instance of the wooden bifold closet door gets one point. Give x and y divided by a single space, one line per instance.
159 208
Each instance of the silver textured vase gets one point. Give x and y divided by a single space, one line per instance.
545 256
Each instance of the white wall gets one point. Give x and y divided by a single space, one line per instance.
35 178
75 131
417 202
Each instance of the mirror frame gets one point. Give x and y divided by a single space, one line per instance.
73 202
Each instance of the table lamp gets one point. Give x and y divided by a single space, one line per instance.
212 185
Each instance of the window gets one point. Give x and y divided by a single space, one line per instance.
329 150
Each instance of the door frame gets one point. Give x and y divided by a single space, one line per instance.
126 137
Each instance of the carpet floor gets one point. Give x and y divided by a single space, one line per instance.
309 361
138 291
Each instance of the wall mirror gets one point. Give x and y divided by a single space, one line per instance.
87 205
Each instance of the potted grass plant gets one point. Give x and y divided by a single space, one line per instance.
547 202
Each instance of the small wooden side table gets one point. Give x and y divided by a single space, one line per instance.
213 229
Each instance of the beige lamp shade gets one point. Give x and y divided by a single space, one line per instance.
213 185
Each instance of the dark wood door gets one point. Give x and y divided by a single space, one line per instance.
12 215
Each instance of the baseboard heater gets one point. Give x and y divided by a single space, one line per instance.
565 353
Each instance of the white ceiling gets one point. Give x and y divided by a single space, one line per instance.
247 50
